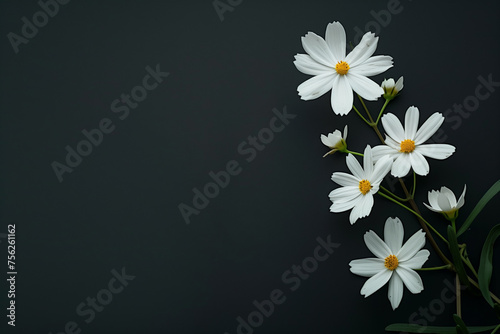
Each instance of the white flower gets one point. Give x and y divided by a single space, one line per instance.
405 145
358 189
445 202
393 263
332 69
391 88
335 141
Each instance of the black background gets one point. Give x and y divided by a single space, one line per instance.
119 207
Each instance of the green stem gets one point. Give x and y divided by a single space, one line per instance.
447 266
414 185
496 329
393 195
416 214
364 106
466 260
382 111
459 296
355 153
357 112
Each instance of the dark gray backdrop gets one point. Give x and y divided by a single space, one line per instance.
119 207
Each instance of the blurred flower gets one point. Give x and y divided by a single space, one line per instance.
404 145
358 189
393 263
333 70
391 88
335 141
445 202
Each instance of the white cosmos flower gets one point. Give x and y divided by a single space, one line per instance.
391 88
335 141
405 145
333 70
445 202
393 263
358 189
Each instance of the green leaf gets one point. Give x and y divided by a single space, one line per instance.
412 328
486 263
461 327
479 206
457 259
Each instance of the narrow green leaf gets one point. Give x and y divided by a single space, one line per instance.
412 328
461 327
479 206
457 260
486 263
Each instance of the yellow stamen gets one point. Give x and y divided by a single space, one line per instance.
407 146
391 262
342 67
364 186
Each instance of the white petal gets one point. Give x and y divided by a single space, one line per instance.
401 165
395 293
418 260
444 203
393 234
461 200
399 84
355 167
429 128
376 282
345 179
363 50
344 194
392 143
450 195
383 150
316 86
364 206
316 47
393 127
342 97
307 65
382 167
367 267
368 161
411 122
433 199
345 132
411 279
433 209
376 245
366 88
436 151
373 66
344 206
418 163
411 246
335 39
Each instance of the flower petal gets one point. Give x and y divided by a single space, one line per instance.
450 195
344 206
373 66
395 293
433 198
401 165
316 47
367 267
461 200
444 202
342 97
429 128
393 127
393 234
362 208
335 39
436 151
432 209
411 122
307 65
411 279
411 246
368 161
366 88
380 151
355 167
363 50
418 260
345 179
419 164
382 167
316 86
344 194
376 245
376 282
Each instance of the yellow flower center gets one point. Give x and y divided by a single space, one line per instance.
364 186
407 146
342 67
391 262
